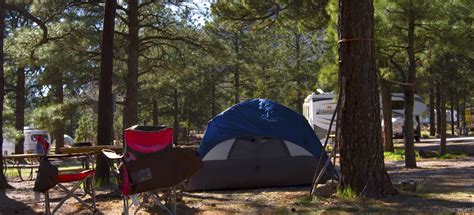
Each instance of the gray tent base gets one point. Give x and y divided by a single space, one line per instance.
245 174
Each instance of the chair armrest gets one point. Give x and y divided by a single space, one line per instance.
110 154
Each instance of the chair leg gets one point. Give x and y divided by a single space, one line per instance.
47 209
135 200
173 199
125 205
69 194
93 193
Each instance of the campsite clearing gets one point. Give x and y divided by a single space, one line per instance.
447 185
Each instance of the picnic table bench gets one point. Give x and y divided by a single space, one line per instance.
31 162
20 162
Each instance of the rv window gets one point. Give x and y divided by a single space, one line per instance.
398 105
33 137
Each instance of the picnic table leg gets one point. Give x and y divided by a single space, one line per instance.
5 167
30 177
88 182
19 173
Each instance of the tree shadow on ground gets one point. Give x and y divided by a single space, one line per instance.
12 206
418 202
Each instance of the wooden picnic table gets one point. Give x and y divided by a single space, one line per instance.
20 156
91 149
21 161
31 162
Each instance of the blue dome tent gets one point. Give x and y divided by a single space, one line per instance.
258 143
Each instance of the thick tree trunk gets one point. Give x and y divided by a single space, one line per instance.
175 117
131 101
59 125
155 112
409 96
387 114
362 164
3 180
20 101
432 112
408 132
105 115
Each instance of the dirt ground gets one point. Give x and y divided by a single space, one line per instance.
444 186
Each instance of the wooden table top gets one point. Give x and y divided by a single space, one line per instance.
72 154
13 156
90 149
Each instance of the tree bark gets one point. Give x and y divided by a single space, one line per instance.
387 114
131 102
432 112
362 164
20 108
443 123
409 95
3 7
105 115
175 118
59 125
442 106
3 180
299 95
438 107
155 112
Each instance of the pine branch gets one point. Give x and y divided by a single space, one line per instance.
29 16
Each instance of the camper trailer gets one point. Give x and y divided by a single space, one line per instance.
30 135
30 138
319 108
8 146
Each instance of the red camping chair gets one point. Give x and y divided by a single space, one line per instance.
49 177
77 178
150 168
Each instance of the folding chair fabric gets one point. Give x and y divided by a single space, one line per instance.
70 177
162 170
47 176
150 164
78 178
148 141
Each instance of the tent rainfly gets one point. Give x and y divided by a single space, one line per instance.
258 143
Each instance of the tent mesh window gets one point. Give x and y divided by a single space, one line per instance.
252 148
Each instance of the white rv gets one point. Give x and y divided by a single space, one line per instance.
319 108
8 146
30 138
30 135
